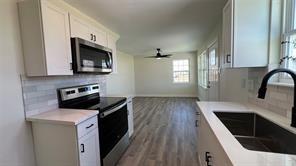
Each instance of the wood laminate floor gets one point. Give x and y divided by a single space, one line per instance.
165 133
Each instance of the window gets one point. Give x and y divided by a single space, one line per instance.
203 70
213 66
288 58
181 71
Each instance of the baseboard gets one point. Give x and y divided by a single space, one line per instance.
165 95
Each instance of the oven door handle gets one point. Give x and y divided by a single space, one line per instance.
106 113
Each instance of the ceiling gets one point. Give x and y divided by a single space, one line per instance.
144 25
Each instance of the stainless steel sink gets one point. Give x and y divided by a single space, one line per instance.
254 132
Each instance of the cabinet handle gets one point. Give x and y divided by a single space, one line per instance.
89 126
82 148
196 123
95 38
91 36
71 66
207 158
228 58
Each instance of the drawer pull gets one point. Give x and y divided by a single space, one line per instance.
207 158
82 148
89 126
228 58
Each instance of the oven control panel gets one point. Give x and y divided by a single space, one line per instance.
79 91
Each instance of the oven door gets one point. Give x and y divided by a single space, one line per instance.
89 57
113 125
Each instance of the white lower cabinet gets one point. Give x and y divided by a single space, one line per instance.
130 116
88 149
210 152
67 145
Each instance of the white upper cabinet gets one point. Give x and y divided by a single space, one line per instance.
245 33
46 38
46 30
100 37
81 29
227 34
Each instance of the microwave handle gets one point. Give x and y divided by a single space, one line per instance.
110 62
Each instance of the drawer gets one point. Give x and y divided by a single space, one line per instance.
87 126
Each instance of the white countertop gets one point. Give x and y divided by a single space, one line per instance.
63 116
238 155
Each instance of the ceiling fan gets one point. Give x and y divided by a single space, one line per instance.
159 55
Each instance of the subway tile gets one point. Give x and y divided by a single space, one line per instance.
278 96
45 87
31 112
286 90
277 109
40 93
52 102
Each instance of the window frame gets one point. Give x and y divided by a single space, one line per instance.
183 59
288 29
203 73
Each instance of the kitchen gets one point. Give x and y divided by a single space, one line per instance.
55 94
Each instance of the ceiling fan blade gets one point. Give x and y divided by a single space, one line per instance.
168 55
150 57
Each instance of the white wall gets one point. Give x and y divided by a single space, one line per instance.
154 77
123 82
16 139
215 35
233 82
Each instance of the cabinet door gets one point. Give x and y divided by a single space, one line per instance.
89 149
130 116
80 29
112 45
251 22
209 144
57 44
100 37
227 35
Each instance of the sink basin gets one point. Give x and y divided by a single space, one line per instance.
254 132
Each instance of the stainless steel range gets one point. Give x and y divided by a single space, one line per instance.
112 119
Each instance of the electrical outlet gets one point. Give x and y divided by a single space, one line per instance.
251 85
243 83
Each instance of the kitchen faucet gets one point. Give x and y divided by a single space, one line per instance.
263 88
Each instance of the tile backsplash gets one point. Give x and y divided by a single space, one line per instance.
279 99
40 93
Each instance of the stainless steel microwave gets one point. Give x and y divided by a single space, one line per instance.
89 57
